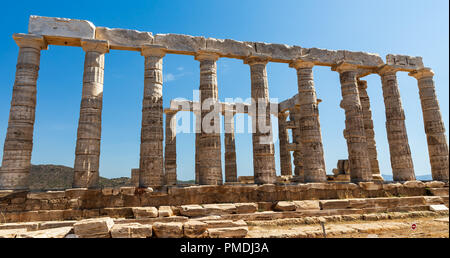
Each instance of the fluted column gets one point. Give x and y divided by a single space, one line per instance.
433 124
170 158
285 154
401 160
18 146
263 148
354 133
294 116
230 148
152 134
198 127
87 152
311 136
209 150
368 130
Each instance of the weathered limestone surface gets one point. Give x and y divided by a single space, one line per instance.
309 124
168 230
152 131
354 133
433 124
123 39
401 160
263 148
368 130
61 31
230 148
59 232
195 229
404 63
210 170
145 212
285 154
131 230
87 152
19 136
98 227
170 158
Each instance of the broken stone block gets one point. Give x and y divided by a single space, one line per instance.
434 184
370 186
235 232
333 204
127 190
11 233
131 230
46 233
306 205
145 212
168 230
124 39
193 210
414 184
165 211
284 206
246 207
98 227
195 229
438 207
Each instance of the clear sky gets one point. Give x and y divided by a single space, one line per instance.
416 28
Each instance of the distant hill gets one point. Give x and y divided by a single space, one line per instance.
47 177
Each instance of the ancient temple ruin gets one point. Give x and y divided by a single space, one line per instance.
156 170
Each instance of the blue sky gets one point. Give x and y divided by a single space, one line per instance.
417 28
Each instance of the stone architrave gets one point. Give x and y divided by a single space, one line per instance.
16 162
369 131
170 158
309 124
209 145
433 124
152 133
401 160
285 154
263 148
87 152
354 133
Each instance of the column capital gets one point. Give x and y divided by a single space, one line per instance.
30 40
344 66
387 69
421 73
299 63
153 50
170 111
256 59
95 45
206 54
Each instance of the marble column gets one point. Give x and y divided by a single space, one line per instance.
198 127
358 155
369 131
230 148
294 117
433 124
170 158
283 137
87 152
16 163
152 133
401 160
309 123
263 148
209 146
